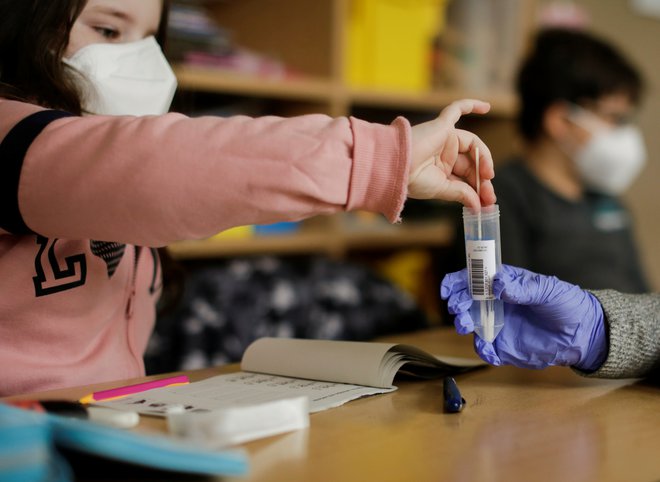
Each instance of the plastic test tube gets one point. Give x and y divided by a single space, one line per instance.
484 259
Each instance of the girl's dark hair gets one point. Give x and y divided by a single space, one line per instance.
34 35
573 66
161 35
33 38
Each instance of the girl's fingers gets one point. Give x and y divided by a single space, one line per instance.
454 111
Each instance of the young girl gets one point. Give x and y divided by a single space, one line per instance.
89 174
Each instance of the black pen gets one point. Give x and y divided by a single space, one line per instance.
453 400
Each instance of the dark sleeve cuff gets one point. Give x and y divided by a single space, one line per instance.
13 150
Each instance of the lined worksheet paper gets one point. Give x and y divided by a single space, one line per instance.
241 389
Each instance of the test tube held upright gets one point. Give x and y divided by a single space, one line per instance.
484 259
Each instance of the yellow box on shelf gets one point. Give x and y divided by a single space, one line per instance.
238 232
390 43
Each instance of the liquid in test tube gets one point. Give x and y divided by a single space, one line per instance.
484 259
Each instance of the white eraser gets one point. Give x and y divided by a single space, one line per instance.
112 417
235 425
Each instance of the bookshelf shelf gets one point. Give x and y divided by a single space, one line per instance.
332 240
502 103
217 81
206 79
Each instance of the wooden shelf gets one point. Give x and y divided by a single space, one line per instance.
303 243
333 241
430 234
219 81
502 103
212 80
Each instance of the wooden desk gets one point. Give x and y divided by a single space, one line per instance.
550 425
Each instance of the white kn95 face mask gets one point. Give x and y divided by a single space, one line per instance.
612 160
125 78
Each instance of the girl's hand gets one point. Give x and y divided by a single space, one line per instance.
443 159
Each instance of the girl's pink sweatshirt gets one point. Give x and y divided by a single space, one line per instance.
80 194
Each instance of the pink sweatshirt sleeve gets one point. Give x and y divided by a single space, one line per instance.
154 180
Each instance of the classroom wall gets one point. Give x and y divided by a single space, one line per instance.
639 37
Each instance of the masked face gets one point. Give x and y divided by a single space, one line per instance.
132 78
613 156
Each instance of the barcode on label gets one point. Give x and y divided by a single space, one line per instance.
481 261
478 278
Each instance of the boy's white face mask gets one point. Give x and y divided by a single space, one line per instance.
125 78
613 157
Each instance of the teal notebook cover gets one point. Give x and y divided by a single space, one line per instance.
31 443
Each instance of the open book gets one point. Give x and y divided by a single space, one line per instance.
359 363
328 373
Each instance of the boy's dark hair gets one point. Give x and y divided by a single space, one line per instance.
572 66
33 38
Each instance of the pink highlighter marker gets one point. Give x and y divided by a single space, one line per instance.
113 393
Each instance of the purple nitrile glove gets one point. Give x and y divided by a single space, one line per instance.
546 321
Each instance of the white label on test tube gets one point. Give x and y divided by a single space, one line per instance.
482 267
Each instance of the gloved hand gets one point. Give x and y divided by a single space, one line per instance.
546 321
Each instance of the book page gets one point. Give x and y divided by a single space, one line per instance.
359 363
240 389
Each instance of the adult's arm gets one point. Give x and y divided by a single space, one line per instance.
633 326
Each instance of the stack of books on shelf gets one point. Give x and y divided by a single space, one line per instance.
192 30
196 39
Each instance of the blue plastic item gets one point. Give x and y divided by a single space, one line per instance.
277 228
27 453
29 443
147 450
